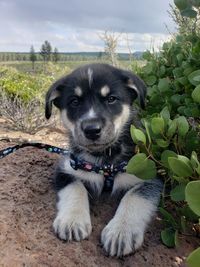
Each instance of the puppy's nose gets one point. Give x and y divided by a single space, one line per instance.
92 129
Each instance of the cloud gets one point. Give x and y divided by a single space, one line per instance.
75 25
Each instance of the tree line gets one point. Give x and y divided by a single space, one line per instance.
46 53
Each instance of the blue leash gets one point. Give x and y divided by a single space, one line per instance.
5 152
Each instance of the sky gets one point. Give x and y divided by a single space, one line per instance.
76 25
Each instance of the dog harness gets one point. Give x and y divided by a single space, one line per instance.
109 171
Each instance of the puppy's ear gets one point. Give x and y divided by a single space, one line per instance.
53 97
133 82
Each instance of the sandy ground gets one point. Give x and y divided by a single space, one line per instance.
27 209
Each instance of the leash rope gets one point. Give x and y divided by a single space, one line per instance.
107 170
53 149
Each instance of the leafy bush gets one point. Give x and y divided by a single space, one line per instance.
168 143
22 96
22 85
173 77
27 86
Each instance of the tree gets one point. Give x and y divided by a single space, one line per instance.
32 56
46 51
56 56
111 40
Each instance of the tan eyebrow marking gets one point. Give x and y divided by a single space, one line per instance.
78 91
105 91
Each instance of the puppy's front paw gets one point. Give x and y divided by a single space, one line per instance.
120 238
72 227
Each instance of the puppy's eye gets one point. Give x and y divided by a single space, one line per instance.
74 102
111 99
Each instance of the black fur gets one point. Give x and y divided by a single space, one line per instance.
148 189
62 179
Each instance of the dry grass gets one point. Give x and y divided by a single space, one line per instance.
27 117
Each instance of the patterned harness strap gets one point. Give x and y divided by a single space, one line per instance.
107 170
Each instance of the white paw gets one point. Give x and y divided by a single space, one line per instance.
120 238
72 227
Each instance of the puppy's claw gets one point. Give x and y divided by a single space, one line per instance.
120 240
70 230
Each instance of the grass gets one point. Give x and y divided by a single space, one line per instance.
26 66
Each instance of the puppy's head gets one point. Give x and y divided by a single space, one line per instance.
95 102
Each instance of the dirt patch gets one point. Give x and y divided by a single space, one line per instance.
27 202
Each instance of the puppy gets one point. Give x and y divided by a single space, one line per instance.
96 106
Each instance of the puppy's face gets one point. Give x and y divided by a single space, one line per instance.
95 103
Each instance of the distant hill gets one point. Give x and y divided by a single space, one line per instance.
66 56
122 56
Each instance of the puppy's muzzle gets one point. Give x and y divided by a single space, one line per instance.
92 128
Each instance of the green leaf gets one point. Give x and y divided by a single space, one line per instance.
194 159
180 167
165 113
138 136
198 169
162 70
176 99
166 46
172 128
151 90
157 125
183 80
192 195
180 58
185 160
178 193
177 72
180 38
188 70
189 214
189 12
193 259
194 77
196 3
195 112
147 55
162 143
181 110
168 237
168 218
196 94
192 141
183 126
155 100
135 163
141 166
163 85
166 155
181 4
180 179
147 125
150 80
148 68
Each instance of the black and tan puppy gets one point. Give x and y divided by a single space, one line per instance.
96 106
